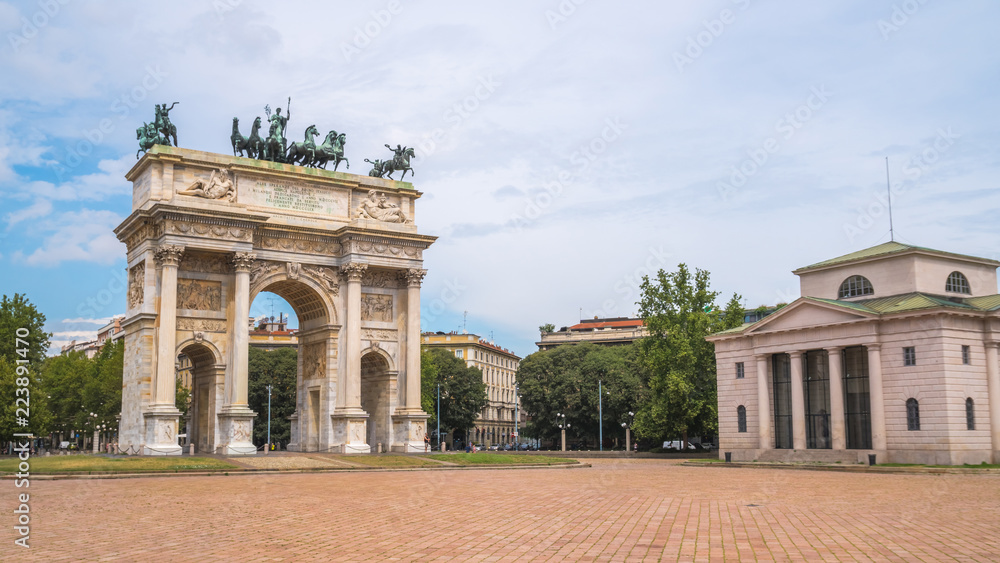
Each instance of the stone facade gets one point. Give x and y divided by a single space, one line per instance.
892 350
495 424
207 233
604 332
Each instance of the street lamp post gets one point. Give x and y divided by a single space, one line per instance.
267 447
439 416
628 427
563 425
516 435
600 417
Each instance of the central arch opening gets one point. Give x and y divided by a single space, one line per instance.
202 373
295 357
376 388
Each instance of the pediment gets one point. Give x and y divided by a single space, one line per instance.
805 313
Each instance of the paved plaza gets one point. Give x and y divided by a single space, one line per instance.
617 510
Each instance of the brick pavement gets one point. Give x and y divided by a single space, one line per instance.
619 510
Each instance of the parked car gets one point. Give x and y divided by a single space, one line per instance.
494 447
676 445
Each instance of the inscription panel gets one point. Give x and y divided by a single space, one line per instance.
291 196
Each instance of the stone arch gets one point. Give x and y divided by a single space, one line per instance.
377 384
208 371
382 353
313 303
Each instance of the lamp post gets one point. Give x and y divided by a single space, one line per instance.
439 416
267 447
628 427
563 425
516 435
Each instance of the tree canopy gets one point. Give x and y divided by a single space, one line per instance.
680 311
278 368
463 392
565 379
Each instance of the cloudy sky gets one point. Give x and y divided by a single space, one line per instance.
565 147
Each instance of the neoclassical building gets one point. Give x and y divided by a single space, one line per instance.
495 424
892 350
209 232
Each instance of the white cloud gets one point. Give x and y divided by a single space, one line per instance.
40 208
85 235
81 320
76 334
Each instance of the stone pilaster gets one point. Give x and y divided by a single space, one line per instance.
838 435
763 404
235 416
798 403
349 419
162 417
875 396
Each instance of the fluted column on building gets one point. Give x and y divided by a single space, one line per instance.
875 396
838 435
162 416
235 416
763 404
798 403
349 419
993 388
410 421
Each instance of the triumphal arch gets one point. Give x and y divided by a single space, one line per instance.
207 233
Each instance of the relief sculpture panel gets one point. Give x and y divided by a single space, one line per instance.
376 307
199 295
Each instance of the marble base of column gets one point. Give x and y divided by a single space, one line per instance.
161 431
293 443
408 430
350 430
236 431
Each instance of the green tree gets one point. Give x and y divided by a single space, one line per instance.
428 389
23 344
679 310
64 380
463 392
566 379
547 327
278 368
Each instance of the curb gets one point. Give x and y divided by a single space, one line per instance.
854 468
243 472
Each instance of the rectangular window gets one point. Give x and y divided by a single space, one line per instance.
909 356
739 370
458 353
966 355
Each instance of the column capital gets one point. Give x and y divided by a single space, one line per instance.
761 357
833 349
243 261
169 254
353 271
992 344
413 276
873 347
796 353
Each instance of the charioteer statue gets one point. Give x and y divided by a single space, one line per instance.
159 132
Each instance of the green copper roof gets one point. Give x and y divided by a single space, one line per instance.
912 302
857 306
985 302
884 249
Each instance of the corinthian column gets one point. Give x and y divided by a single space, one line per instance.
169 257
351 398
414 277
237 388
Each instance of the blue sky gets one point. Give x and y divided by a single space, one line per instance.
565 148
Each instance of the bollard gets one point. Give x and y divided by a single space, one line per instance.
444 447
379 448
871 459
190 449
729 457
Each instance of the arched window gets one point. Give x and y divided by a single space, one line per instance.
970 414
912 414
856 286
957 283
741 419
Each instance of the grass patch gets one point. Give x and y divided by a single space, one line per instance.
486 458
91 463
386 460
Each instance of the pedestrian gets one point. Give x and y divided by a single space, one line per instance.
637 446
427 443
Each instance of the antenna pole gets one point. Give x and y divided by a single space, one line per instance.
888 189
